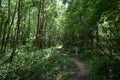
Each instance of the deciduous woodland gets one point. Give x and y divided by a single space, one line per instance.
59 39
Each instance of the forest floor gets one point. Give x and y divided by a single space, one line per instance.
81 71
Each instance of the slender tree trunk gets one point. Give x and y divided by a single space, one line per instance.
17 35
7 33
37 44
40 25
97 34
28 28
0 3
4 41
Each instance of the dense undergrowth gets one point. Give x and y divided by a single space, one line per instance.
100 66
33 64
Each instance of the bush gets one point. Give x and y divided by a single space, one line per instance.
35 65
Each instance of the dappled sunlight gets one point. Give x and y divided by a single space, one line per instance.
59 39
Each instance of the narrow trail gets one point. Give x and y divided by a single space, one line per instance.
82 70
81 67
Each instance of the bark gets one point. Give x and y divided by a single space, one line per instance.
17 32
97 34
0 3
40 25
4 40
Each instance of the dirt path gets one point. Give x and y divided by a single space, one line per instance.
82 69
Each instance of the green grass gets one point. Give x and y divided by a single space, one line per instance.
33 64
64 75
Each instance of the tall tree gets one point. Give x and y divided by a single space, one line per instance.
5 28
0 3
17 35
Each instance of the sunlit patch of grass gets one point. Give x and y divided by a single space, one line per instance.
59 46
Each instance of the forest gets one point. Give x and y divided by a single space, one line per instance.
59 39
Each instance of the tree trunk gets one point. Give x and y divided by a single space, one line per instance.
17 35
40 25
4 40
0 3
